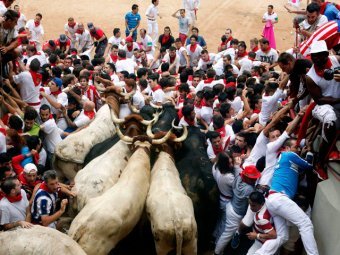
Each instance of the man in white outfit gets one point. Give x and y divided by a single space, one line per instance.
191 7
151 15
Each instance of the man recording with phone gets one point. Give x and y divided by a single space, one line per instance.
323 84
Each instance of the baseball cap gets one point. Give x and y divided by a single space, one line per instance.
90 25
318 46
58 82
29 168
251 172
129 39
62 38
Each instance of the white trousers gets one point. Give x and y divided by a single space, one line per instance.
279 205
231 225
192 17
153 30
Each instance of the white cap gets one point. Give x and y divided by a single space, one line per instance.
318 46
29 168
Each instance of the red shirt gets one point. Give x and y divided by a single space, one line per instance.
97 33
60 44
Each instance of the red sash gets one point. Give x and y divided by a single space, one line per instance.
36 77
190 122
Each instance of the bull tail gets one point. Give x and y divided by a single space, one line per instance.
179 236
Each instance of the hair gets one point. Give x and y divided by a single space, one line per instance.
225 109
211 73
214 135
45 107
32 142
271 87
234 41
255 41
204 52
165 67
143 83
167 27
164 82
195 37
285 57
49 175
264 41
141 72
223 163
235 149
134 7
195 28
229 30
313 7
257 197
271 6
39 14
30 113
125 74
116 30
153 77
35 65
288 142
8 184
11 15
153 1
184 87
187 109
15 122
218 120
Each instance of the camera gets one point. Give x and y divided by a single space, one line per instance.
329 73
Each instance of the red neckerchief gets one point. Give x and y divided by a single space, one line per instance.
204 103
320 71
242 55
191 123
14 199
129 48
19 13
208 80
157 87
24 182
3 131
255 49
217 150
36 23
172 59
114 58
221 130
165 38
256 111
198 105
229 39
80 31
269 48
90 114
193 47
56 93
190 78
37 53
36 77
71 26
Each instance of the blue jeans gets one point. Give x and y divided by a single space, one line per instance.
134 34
220 225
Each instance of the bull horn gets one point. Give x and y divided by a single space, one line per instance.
115 119
183 137
133 108
154 120
163 139
149 132
155 106
176 127
123 137
127 96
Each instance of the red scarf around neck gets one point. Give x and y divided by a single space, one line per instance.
242 55
114 58
321 71
165 38
157 87
255 49
221 130
80 31
191 123
256 111
208 80
56 93
129 48
269 48
172 59
36 23
204 103
71 26
44 187
217 150
37 78
193 47
90 114
14 199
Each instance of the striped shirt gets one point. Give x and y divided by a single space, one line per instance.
44 203
263 222
132 19
92 94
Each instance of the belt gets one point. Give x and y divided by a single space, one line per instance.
224 196
152 19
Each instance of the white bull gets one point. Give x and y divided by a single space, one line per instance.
170 210
107 219
70 153
101 173
38 240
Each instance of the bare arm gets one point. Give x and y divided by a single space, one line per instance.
316 94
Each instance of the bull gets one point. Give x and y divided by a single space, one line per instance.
107 219
169 209
38 240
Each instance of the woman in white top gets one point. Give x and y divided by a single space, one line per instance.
269 18
223 172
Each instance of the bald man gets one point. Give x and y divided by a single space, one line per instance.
82 118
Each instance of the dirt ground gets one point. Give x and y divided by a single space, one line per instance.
214 16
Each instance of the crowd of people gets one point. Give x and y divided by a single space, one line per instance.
252 102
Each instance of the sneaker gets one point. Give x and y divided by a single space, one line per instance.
235 242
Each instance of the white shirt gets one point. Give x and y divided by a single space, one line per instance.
158 96
115 40
52 132
40 56
36 32
191 5
21 22
126 65
229 51
147 42
84 40
166 59
203 65
3 8
258 151
61 99
13 212
183 122
272 17
151 12
184 25
71 31
269 105
28 91
82 120
137 100
207 114
3 145
236 104
268 57
180 52
194 56
224 183
322 20
129 54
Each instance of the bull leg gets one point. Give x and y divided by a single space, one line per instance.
190 248
162 248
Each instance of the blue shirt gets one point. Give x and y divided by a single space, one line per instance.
331 12
132 19
286 174
44 203
200 41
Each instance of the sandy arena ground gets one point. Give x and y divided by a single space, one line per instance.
242 16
